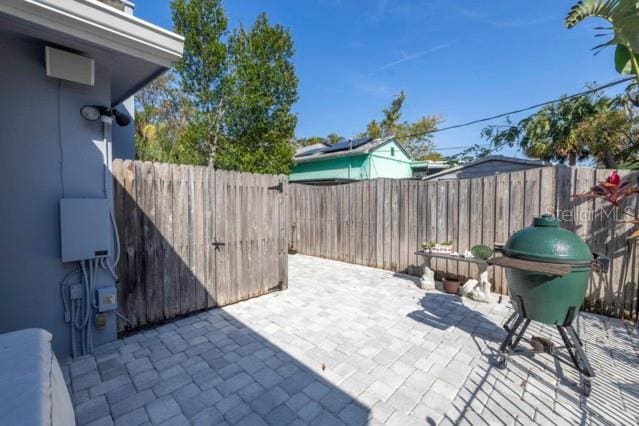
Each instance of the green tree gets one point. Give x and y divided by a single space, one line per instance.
434 156
416 137
203 68
333 138
163 130
261 89
587 127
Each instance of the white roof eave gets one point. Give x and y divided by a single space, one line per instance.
103 25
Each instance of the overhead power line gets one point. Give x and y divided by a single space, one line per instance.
450 148
517 111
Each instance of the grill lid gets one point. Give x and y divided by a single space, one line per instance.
547 242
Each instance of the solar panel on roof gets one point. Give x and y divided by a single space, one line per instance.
310 152
347 144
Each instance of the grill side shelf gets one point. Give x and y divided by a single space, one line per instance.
529 265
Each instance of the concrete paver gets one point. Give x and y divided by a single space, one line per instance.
347 344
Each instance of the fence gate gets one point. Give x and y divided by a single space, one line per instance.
194 238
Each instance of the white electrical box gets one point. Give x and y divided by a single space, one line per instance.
107 299
85 229
69 66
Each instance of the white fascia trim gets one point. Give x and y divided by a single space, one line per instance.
102 25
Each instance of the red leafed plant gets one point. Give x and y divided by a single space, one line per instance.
613 190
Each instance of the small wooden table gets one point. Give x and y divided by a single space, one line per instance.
478 290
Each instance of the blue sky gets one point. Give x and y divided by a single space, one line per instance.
461 59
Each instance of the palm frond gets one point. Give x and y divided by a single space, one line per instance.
610 42
590 8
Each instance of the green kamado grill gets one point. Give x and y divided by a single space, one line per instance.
547 269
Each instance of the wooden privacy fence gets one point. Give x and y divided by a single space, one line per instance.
382 222
194 238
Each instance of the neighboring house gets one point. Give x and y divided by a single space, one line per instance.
352 160
426 168
488 166
58 56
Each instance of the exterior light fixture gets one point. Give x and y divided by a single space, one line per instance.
90 113
95 112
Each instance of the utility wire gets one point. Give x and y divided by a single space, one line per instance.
450 148
517 111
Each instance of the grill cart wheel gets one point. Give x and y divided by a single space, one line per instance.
502 362
586 385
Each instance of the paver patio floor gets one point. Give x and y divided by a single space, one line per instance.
354 345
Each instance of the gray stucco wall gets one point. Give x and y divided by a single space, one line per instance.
42 145
123 137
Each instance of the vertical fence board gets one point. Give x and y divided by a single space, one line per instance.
532 195
282 200
563 201
356 216
210 207
597 229
422 217
413 244
170 271
372 224
431 219
516 206
199 241
402 226
502 219
388 214
134 243
147 203
488 221
463 239
366 222
453 222
441 220
476 220
182 235
394 231
547 200
222 258
379 223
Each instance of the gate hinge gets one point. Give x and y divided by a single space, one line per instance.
279 187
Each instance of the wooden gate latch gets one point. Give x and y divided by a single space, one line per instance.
217 244
279 187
